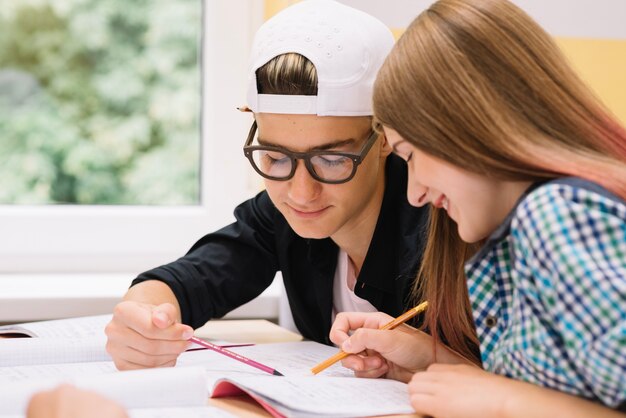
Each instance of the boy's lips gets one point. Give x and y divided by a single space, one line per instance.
307 212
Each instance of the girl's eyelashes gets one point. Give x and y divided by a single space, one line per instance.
401 154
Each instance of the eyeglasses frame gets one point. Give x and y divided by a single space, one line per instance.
357 159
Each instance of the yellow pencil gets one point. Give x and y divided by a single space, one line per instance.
390 325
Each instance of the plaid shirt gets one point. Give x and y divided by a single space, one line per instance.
548 291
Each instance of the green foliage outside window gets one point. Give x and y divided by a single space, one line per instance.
100 102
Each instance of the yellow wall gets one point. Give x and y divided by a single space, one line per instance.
600 62
274 6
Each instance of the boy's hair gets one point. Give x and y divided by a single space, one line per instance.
289 74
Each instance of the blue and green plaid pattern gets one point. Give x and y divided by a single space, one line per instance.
548 292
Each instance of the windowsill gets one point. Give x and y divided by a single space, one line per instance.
32 297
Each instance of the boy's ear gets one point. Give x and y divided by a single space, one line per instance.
385 148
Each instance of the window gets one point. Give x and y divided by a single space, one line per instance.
101 102
120 143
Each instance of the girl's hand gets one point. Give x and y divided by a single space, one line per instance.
395 354
455 391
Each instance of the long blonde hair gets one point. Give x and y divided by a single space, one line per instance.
479 84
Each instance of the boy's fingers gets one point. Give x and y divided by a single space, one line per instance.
139 318
164 315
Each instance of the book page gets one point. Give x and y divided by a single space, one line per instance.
334 392
87 326
10 375
29 351
64 341
290 359
153 388
315 396
295 358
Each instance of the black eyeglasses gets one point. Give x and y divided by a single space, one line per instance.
330 167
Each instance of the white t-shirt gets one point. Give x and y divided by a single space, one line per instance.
344 299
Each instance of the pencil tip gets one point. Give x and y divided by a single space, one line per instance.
277 373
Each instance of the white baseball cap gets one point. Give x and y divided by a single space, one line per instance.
346 46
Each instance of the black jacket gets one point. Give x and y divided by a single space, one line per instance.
230 267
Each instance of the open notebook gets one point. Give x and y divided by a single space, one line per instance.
335 392
73 340
41 355
144 393
58 341
199 374
320 396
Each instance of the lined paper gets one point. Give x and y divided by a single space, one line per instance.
295 358
329 396
28 365
333 393
86 326
291 359
154 388
29 351
67 371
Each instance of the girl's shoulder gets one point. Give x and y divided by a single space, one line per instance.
567 193
554 216
569 207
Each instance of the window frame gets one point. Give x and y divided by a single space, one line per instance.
64 238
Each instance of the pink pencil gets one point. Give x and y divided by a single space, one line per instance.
235 356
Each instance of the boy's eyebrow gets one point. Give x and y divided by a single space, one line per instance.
324 147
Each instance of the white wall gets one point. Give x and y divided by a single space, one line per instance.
572 18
